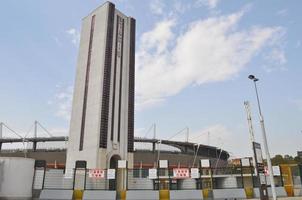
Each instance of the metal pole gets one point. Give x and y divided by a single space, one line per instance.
158 151
154 131
195 155
35 130
251 131
268 157
187 135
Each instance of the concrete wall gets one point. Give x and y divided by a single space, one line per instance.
16 177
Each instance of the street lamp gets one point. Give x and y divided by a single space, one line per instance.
270 168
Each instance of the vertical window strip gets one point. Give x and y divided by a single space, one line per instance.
131 87
121 81
86 84
106 79
114 79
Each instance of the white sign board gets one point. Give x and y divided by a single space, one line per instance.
205 163
262 178
194 173
276 171
245 162
163 163
96 173
181 173
110 173
122 164
259 156
152 173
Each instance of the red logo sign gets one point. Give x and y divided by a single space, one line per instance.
96 173
181 173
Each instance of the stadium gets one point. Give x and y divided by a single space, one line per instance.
146 151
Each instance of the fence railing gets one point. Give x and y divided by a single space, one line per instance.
152 179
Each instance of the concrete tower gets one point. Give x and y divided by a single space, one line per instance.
102 119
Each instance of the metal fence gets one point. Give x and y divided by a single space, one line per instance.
142 179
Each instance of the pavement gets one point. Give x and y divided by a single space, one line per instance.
285 198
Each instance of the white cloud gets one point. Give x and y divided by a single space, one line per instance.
157 7
275 60
207 51
62 102
74 36
211 4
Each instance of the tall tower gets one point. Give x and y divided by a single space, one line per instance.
102 118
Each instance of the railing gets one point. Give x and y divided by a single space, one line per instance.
146 179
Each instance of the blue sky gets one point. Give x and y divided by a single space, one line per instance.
192 60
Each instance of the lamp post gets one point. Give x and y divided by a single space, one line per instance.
270 168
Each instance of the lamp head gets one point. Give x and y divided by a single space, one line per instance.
252 77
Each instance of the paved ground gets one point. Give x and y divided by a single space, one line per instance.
285 198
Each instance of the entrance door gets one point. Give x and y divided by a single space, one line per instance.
113 165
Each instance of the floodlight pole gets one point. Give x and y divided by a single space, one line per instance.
268 157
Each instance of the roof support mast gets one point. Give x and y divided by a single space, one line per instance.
251 129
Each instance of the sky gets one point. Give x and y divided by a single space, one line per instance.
192 63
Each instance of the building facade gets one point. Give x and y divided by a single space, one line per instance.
102 118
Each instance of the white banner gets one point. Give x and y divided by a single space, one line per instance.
152 173
122 164
96 173
195 173
110 173
181 173
205 163
245 162
276 171
163 164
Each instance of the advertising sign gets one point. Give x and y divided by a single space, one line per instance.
96 173
181 173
